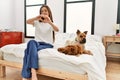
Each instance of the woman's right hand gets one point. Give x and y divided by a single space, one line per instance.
31 20
40 17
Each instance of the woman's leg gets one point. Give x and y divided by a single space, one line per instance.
30 59
34 74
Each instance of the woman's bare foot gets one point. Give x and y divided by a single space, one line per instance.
34 77
25 79
34 74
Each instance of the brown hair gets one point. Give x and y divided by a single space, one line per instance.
50 15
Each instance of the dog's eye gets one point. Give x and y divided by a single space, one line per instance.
81 36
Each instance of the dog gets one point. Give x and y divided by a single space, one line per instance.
80 39
77 46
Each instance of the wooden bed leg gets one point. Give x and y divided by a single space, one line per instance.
2 68
2 71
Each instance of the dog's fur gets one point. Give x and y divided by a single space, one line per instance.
80 39
77 46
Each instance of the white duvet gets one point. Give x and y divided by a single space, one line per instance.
93 65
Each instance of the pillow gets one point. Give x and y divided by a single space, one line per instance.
93 38
62 37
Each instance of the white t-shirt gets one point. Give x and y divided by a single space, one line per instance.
43 32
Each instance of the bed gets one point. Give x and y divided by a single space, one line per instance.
55 64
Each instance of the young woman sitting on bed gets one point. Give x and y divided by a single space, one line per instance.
44 38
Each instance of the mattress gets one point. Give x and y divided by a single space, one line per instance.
49 63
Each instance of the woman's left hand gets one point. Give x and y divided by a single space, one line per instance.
46 19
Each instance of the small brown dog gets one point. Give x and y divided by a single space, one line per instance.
80 39
76 47
74 50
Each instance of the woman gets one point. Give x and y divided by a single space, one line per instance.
44 38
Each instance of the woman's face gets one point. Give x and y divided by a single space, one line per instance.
44 11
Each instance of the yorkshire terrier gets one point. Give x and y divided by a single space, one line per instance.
80 39
77 46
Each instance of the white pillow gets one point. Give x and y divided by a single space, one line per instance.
61 38
93 38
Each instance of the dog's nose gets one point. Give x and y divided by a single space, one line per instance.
83 41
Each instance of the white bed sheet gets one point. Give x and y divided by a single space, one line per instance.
93 65
50 64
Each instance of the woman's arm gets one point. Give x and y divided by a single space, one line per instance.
54 26
48 20
31 20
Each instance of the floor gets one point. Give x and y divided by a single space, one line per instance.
112 69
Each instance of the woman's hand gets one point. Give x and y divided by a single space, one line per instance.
39 17
45 19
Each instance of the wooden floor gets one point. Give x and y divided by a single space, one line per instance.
112 69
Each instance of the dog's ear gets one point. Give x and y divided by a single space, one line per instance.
85 32
78 32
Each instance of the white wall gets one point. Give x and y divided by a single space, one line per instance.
6 14
105 17
19 15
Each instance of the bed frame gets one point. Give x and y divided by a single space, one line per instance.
42 71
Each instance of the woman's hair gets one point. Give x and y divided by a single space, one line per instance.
50 15
49 11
